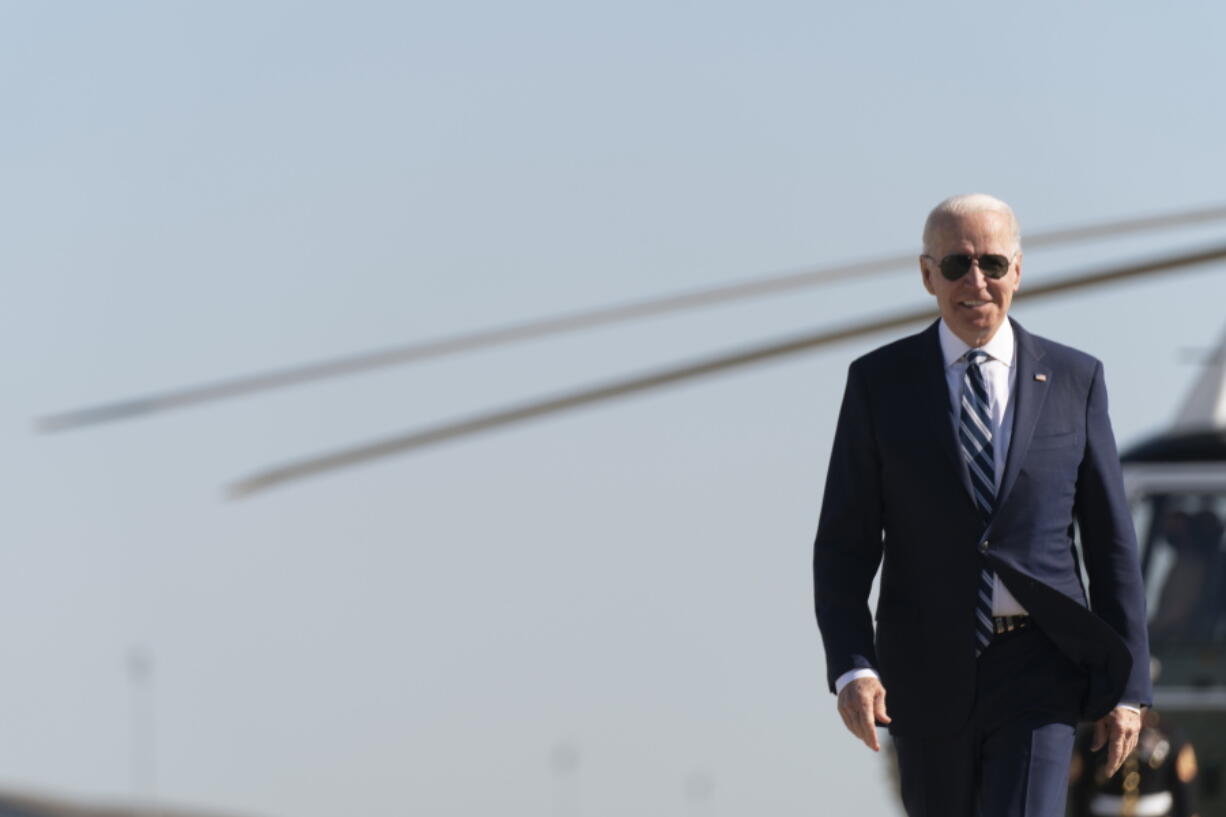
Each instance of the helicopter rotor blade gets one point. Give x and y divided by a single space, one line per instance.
665 377
587 319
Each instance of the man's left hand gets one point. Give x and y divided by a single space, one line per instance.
1118 730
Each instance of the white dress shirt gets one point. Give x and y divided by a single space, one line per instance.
1000 376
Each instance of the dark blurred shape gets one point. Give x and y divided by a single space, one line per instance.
1157 780
13 804
1190 601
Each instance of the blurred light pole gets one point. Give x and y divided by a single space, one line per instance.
564 761
144 767
699 786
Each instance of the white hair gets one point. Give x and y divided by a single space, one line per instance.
964 205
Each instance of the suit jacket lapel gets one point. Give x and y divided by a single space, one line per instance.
1029 392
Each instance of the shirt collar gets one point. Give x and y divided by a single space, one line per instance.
1000 347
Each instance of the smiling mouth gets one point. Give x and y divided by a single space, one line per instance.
973 304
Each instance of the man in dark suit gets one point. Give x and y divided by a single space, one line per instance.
962 459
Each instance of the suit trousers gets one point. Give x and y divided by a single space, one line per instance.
1011 759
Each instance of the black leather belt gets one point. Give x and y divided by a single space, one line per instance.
1007 624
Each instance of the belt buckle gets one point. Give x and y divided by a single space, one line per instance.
1007 624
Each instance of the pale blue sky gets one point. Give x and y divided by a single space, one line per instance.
192 190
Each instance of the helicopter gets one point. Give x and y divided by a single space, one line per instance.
1176 478
1176 485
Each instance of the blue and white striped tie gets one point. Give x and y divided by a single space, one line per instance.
975 440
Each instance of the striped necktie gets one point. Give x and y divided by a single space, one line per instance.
975 440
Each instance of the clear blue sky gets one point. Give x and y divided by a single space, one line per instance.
192 190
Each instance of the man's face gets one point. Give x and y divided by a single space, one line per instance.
975 305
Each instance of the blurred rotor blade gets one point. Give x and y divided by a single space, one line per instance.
587 319
479 339
1088 232
665 377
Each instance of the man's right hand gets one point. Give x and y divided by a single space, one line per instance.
862 705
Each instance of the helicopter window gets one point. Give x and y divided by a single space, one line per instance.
1185 567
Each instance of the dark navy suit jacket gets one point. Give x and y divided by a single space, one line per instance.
898 496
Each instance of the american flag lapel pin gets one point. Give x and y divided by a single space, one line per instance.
1042 378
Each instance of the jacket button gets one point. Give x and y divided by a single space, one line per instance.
983 546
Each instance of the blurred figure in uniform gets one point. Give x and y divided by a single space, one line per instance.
1157 780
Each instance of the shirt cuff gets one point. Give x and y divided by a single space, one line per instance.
851 675
1134 707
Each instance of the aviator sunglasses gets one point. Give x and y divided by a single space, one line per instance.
955 265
